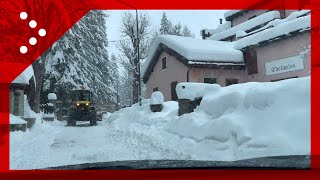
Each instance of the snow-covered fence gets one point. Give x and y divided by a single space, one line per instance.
190 95
156 101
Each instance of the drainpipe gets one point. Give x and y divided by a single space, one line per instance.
188 72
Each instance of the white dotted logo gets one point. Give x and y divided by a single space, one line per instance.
23 49
42 32
33 41
33 24
23 15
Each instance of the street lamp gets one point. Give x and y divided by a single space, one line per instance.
137 50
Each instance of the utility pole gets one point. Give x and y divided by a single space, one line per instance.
137 63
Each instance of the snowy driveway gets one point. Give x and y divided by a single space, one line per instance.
54 144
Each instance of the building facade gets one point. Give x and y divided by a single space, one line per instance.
274 45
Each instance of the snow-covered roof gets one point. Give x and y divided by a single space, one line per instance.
276 22
250 24
196 50
220 28
231 13
283 28
25 76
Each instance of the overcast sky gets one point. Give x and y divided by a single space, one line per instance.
194 19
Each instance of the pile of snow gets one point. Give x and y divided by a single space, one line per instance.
191 91
234 122
156 98
52 96
196 49
247 25
284 28
16 120
28 113
25 76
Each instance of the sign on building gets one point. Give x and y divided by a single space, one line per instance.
284 65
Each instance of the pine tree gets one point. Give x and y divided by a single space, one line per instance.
177 30
165 25
186 32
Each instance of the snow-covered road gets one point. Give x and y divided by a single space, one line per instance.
54 144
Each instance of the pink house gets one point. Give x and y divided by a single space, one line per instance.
250 46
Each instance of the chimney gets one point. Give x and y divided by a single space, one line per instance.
220 21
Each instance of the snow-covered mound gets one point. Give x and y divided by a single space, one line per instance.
235 122
16 120
156 98
28 113
52 96
192 90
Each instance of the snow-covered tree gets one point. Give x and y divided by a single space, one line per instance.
177 30
186 32
128 48
165 25
80 58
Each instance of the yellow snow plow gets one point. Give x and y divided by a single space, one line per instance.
82 108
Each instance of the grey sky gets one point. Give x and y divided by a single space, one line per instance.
194 19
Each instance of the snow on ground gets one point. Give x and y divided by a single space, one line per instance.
235 122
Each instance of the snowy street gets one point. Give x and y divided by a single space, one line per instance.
57 144
233 123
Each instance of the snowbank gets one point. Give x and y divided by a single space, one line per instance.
28 113
192 91
235 122
247 25
16 120
25 76
52 96
156 98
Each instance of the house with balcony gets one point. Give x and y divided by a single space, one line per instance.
252 45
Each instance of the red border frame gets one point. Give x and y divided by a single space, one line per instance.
57 16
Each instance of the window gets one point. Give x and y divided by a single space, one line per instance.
164 63
174 96
16 103
250 58
231 81
155 89
210 80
